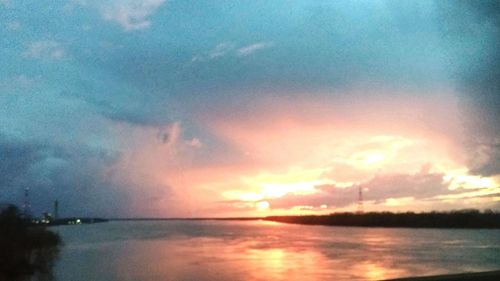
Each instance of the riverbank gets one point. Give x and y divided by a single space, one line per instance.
477 276
458 219
25 249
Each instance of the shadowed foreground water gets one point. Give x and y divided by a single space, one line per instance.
258 250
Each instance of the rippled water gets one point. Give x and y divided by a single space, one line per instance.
259 250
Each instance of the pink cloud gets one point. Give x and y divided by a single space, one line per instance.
265 147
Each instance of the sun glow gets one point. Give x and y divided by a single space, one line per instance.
372 159
460 178
267 186
251 197
274 190
262 205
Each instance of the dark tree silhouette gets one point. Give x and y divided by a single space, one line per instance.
25 249
454 219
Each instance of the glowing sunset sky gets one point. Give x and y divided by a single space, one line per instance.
248 108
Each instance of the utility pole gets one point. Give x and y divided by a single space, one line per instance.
56 210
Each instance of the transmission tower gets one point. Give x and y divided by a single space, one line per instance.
27 203
56 210
360 200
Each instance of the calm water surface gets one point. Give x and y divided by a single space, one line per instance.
258 250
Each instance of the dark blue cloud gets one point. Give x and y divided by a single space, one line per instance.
73 175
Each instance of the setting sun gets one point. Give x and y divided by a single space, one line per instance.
262 205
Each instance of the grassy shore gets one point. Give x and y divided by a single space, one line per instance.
479 276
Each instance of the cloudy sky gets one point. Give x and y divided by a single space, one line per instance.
241 108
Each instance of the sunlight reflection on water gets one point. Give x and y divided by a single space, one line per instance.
256 250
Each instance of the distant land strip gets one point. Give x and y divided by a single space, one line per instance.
459 219
479 276
189 219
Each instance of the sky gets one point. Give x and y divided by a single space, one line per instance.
170 108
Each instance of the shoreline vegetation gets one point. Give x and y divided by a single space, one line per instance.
454 219
475 276
26 249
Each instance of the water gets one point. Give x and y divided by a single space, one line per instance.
259 250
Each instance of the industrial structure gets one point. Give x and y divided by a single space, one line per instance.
56 210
